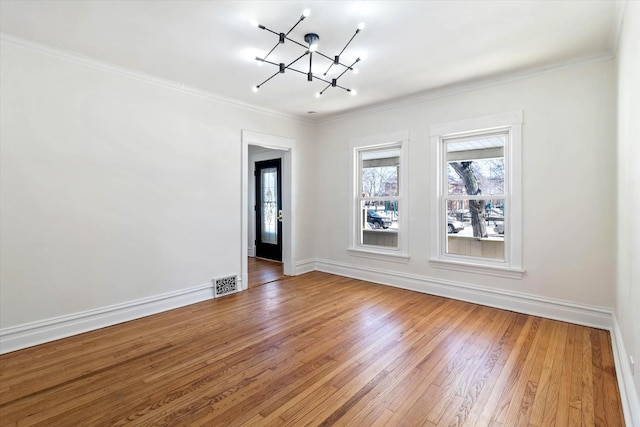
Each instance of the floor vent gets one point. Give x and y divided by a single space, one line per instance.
226 285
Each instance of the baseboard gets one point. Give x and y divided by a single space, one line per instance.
305 266
30 334
628 394
566 311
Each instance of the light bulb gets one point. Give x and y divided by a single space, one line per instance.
254 89
254 23
306 12
361 26
354 92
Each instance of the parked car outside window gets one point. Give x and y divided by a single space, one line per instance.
454 226
376 220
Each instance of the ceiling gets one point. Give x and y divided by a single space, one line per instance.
410 47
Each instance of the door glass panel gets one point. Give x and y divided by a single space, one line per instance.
269 181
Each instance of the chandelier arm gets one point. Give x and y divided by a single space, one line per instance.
322 54
323 90
297 71
272 49
278 65
338 86
295 25
330 84
349 42
318 78
297 59
321 79
348 68
268 62
296 42
332 60
274 74
342 74
325 73
339 63
268 29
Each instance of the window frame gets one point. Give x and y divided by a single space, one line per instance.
511 123
395 140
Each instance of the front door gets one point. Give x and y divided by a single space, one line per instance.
268 210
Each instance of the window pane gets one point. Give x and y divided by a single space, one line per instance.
476 228
269 206
476 166
379 223
380 173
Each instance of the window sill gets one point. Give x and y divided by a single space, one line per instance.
469 267
380 255
480 239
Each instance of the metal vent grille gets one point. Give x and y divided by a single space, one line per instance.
226 285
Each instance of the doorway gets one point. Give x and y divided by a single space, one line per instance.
258 147
268 207
262 271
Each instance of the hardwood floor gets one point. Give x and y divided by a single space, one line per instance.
263 271
319 349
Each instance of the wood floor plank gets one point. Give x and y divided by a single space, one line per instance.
521 414
318 349
262 271
587 398
481 385
417 343
565 385
545 404
499 402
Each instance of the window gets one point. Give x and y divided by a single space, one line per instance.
477 194
379 223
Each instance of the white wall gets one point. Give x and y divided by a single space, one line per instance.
116 189
568 182
627 303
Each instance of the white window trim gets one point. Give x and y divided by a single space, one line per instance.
401 253
512 266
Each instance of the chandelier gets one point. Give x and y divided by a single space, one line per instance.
310 46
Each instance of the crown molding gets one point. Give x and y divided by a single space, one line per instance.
460 88
416 98
108 67
619 12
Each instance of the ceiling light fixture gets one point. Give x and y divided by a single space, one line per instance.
311 47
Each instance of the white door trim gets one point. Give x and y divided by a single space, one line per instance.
285 145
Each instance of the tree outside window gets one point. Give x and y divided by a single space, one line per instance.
476 184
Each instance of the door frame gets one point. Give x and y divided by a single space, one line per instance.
286 146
